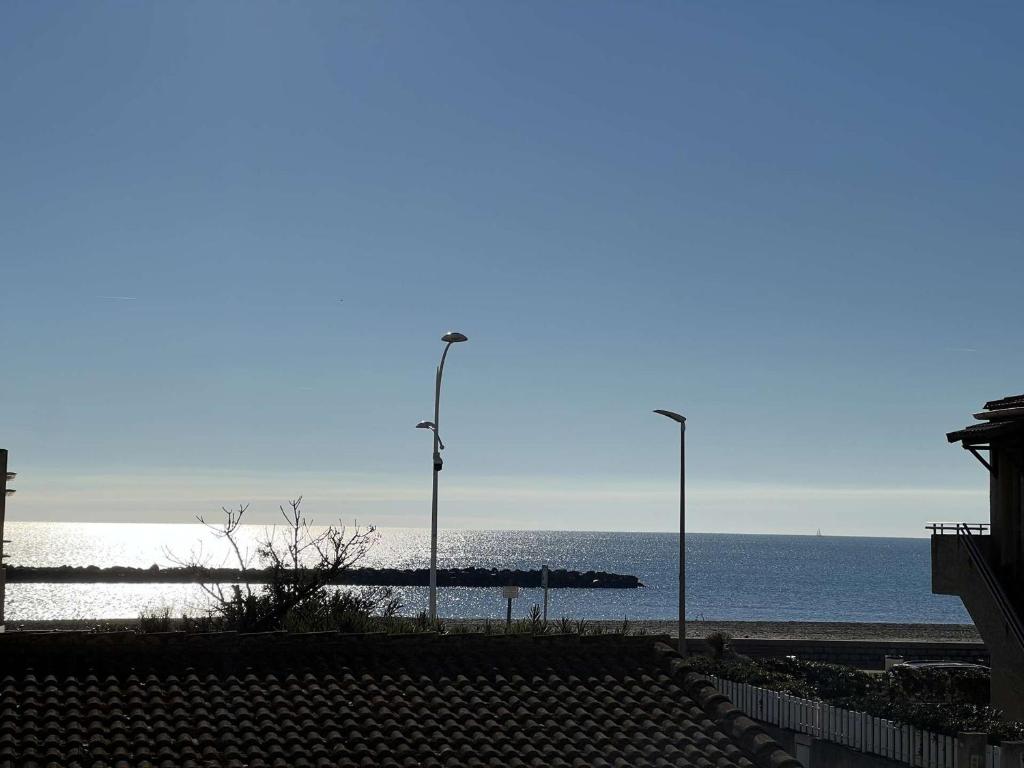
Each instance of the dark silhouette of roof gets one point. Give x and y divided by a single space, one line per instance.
1013 401
1004 420
384 701
982 433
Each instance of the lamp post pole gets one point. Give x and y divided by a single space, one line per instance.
682 525
452 337
433 495
5 476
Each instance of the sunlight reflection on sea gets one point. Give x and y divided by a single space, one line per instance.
769 578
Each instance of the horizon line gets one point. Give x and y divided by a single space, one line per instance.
490 530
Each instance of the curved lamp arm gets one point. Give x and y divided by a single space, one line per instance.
674 416
452 337
433 428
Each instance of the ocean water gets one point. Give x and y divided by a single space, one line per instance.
729 576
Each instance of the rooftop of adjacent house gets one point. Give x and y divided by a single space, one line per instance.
1001 419
1013 401
333 700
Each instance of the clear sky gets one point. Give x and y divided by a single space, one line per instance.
799 224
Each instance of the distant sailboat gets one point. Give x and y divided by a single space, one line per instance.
818 533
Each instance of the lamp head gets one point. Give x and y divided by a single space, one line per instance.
454 336
672 415
433 428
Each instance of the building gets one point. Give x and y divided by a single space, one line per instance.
325 699
983 562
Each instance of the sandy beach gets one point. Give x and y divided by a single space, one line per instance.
803 630
813 630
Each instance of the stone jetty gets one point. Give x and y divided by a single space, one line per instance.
388 577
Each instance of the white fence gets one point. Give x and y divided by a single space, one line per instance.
857 730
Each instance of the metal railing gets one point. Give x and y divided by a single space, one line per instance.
856 730
967 534
995 589
941 529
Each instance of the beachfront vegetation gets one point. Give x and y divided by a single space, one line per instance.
302 562
949 702
343 615
718 643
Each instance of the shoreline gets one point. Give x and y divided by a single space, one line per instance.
697 630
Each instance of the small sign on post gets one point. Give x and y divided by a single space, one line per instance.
510 593
544 585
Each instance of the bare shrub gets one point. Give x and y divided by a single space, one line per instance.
298 564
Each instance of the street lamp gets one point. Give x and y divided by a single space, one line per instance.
681 420
433 428
452 337
5 477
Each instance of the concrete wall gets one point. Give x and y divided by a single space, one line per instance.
863 654
947 568
825 754
815 753
1006 509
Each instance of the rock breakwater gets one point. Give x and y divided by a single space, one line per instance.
387 577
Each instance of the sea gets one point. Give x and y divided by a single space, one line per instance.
728 576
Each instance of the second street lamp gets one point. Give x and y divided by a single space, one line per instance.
681 420
452 337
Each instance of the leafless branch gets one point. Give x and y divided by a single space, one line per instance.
299 560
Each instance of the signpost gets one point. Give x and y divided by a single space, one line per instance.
510 593
544 584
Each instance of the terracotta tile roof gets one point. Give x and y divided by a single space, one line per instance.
1013 401
390 702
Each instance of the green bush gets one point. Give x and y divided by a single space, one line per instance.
719 643
157 621
941 701
208 622
343 611
938 685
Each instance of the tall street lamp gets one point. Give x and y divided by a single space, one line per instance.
681 420
5 477
452 337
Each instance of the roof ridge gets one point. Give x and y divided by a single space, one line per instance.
272 650
750 735
1004 402
501 637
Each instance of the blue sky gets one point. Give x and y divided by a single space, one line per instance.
799 225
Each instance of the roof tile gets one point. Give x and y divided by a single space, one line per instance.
357 701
